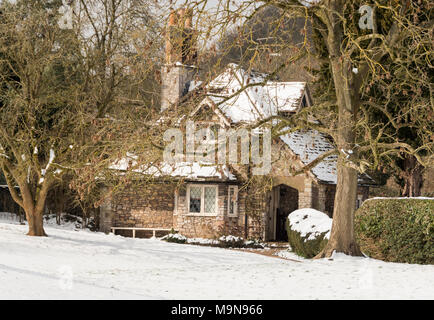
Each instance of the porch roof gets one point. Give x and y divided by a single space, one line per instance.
197 171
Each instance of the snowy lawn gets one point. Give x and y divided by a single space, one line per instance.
84 265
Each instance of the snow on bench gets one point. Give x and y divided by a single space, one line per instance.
154 230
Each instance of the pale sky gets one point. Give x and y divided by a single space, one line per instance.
212 13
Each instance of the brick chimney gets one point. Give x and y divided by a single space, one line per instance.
180 60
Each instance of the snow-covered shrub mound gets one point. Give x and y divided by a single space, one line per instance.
69 221
308 231
397 229
228 241
254 244
203 241
175 237
231 242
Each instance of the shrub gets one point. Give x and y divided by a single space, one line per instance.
228 241
175 237
308 231
253 244
397 230
231 242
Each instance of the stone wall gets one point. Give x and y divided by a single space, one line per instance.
256 204
149 206
330 192
363 192
308 197
164 205
208 226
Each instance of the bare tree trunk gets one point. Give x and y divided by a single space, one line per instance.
34 209
35 221
413 177
342 237
84 219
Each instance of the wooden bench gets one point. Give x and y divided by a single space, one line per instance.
154 230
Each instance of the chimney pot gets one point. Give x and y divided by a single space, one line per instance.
188 18
173 18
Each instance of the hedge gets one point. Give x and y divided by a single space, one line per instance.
397 230
310 244
175 237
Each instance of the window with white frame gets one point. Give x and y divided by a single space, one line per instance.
232 200
202 199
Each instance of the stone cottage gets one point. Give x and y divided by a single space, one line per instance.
207 199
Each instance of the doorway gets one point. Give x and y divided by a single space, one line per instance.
284 200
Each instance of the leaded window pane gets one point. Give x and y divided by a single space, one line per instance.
231 200
210 199
195 194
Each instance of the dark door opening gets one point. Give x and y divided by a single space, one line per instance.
288 202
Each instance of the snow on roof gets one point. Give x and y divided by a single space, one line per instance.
310 144
193 85
192 170
255 102
187 170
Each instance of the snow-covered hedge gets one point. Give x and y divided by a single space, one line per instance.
228 241
397 229
231 242
308 231
175 237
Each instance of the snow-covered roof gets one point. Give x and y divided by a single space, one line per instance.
187 170
256 102
309 145
192 170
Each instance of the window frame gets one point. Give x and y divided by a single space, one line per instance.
202 200
235 214
359 201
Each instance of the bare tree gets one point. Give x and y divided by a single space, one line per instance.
59 89
349 60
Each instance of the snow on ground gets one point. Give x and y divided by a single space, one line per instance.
84 265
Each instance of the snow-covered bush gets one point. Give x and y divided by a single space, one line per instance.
308 231
231 242
228 241
254 244
397 229
69 221
175 237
